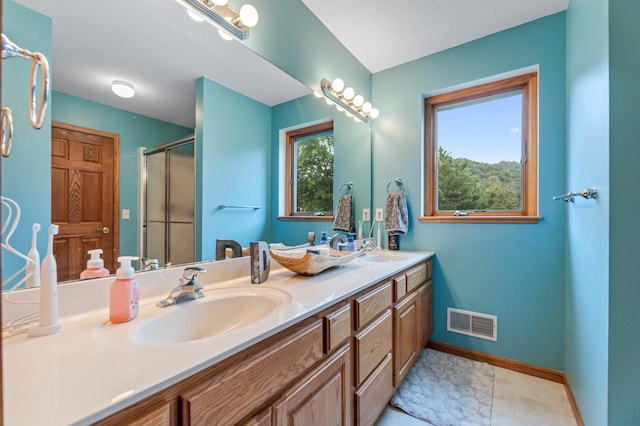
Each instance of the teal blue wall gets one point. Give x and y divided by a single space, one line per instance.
624 291
135 131
291 37
587 294
233 147
513 271
22 180
352 150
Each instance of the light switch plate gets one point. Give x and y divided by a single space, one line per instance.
379 215
125 213
366 215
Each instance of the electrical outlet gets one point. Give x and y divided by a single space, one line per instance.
366 215
379 215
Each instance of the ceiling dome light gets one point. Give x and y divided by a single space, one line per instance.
337 85
193 15
358 100
123 89
349 93
248 15
366 107
374 113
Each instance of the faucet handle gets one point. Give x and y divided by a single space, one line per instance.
191 273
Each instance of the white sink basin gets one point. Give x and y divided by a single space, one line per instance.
385 257
219 312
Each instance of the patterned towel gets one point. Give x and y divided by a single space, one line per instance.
343 220
396 221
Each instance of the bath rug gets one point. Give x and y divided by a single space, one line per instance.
447 390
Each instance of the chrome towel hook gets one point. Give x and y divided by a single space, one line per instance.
570 196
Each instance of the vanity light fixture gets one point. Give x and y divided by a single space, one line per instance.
123 89
346 100
223 16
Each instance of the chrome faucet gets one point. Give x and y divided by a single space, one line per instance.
149 264
191 290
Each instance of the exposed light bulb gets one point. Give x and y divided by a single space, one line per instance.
374 113
193 15
337 85
358 100
349 93
248 15
123 89
366 107
225 35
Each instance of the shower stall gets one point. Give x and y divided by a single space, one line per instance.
169 198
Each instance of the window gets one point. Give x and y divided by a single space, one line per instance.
481 153
309 172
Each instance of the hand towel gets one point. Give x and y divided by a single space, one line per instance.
343 220
396 221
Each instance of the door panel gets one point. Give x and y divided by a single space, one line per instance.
85 196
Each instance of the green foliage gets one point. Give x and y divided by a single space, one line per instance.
470 185
314 174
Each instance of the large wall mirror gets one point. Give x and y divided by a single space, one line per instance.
189 84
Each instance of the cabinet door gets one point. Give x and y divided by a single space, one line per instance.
320 398
405 336
425 296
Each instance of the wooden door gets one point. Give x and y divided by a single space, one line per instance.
85 197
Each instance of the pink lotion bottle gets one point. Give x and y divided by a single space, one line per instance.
95 266
123 296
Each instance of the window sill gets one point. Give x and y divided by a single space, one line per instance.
307 218
481 219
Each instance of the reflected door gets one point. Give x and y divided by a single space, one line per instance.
170 203
84 197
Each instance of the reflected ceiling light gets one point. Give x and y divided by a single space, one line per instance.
123 89
346 100
218 13
193 15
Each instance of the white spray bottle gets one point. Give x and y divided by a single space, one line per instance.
48 292
33 268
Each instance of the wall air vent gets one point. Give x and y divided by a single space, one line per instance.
472 324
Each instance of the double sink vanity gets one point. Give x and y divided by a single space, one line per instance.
323 349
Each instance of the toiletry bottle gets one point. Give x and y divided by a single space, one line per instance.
351 243
324 240
123 300
95 266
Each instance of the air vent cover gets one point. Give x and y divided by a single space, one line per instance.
472 324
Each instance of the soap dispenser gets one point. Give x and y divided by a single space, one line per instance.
351 243
324 240
123 296
95 266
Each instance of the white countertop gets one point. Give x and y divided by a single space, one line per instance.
91 369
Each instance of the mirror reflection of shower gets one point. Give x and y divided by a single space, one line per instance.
168 232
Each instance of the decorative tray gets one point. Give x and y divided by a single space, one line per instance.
304 263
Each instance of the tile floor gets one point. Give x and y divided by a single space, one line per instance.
518 400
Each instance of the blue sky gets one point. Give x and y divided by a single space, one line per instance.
487 131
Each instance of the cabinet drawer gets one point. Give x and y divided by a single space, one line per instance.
337 328
399 287
262 419
370 305
260 377
372 397
415 277
371 346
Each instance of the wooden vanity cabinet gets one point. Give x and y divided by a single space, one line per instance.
339 367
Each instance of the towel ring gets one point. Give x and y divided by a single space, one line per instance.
7 131
398 182
37 118
349 186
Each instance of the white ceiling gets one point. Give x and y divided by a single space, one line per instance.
386 33
155 46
